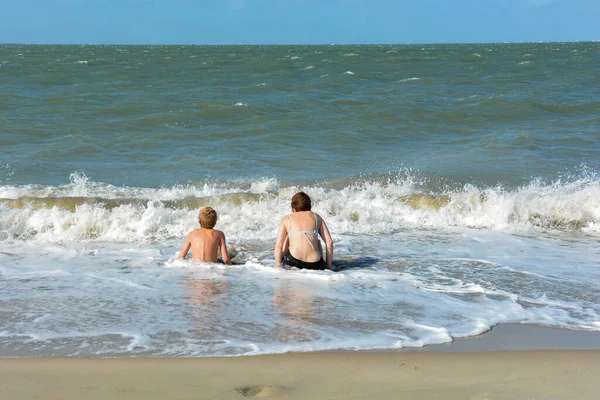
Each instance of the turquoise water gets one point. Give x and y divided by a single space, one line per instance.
460 182
497 113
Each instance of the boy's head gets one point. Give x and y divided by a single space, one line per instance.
301 202
207 217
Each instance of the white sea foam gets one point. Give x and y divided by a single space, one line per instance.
96 280
408 79
371 207
468 97
265 185
198 309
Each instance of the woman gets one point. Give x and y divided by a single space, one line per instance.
298 242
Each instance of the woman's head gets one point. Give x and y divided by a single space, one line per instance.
301 202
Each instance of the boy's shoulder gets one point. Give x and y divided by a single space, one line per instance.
206 231
196 232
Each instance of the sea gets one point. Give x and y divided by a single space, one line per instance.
460 182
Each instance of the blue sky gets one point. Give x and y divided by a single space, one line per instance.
297 21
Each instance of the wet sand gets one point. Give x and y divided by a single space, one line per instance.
461 370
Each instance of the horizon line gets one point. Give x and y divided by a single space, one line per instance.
295 44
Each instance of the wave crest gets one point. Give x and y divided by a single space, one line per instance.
85 210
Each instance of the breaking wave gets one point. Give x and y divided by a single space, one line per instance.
85 210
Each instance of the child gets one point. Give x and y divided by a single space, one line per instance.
205 242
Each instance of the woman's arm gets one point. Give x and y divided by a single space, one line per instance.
324 232
279 245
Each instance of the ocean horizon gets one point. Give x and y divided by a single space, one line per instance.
300 44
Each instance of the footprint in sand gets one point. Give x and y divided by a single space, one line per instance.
263 391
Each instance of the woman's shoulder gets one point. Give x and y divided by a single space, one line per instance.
318 218
286 218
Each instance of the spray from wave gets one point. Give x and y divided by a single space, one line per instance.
87 210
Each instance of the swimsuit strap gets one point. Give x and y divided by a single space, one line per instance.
305 233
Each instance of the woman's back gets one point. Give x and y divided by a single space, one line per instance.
298 242
303 236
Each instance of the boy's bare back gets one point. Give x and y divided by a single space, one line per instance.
205 242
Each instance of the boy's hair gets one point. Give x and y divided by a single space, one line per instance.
301 202
207 217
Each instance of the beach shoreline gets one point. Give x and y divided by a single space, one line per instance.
470 368
518 337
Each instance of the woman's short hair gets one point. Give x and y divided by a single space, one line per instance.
301 202
207 217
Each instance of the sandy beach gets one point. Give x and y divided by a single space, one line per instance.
427 374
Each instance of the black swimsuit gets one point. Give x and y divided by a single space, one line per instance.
291 261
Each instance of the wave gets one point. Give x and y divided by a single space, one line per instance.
581 108
85 210
472 57
408 80
72 203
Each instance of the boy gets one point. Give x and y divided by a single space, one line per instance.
206 241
